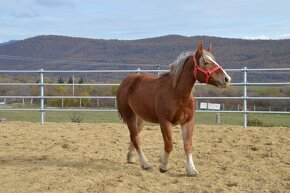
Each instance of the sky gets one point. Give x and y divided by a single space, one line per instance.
136 19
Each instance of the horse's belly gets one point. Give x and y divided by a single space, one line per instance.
144 110
146 114
151 119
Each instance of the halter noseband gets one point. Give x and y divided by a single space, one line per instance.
206 72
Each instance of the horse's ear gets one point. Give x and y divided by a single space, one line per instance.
198 51
209 48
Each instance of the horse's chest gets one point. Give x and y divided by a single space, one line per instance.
183 114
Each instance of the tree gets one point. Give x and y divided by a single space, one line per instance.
70 80
60 80
81 80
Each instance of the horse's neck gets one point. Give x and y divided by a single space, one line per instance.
186 80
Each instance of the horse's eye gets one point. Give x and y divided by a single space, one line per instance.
206 63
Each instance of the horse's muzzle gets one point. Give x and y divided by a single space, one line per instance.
224 82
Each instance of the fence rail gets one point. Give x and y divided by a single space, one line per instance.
42 109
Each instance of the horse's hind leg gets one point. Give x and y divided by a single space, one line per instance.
135 129
131 155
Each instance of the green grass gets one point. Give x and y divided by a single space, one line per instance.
33 116
113 117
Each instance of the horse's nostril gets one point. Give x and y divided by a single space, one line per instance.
226 79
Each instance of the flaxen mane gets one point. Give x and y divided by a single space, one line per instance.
177 66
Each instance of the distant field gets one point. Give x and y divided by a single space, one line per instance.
113 117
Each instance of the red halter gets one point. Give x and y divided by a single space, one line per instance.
206 72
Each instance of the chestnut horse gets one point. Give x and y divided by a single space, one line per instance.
167 99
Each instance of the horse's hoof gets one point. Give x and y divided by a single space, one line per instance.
147 168
163 170
192 173
131 159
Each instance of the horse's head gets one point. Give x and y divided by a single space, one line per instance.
207 69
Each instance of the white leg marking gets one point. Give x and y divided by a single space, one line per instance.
143 161
131 155
190 167
164 157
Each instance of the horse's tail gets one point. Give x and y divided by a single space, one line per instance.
118 103
122 103
124 109
118 97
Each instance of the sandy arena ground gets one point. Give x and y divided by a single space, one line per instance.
80 158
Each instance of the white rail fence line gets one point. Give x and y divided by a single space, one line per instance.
42 109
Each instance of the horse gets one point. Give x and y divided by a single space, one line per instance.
168 101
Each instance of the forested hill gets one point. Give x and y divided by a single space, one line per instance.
83 52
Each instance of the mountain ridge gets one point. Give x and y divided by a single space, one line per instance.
229 52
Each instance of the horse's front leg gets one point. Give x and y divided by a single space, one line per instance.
187 130
166 129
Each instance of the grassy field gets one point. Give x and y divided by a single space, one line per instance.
113 117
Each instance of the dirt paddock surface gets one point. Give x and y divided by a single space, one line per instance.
80 158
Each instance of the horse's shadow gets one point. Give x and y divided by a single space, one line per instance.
98 165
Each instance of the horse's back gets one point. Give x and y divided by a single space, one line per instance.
134 81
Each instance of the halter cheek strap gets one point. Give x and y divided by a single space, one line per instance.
206 72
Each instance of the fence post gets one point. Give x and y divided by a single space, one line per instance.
158 68
245 98
73 83
218 118
42 112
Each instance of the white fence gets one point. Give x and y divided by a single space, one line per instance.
42 97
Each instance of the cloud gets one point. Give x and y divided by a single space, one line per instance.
266 37
30 14
131 19
54 3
